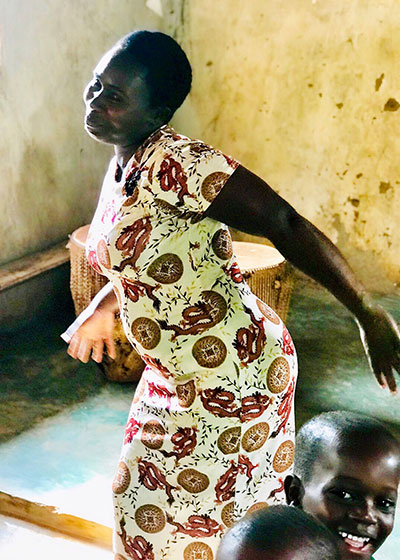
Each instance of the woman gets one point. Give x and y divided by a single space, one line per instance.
210 431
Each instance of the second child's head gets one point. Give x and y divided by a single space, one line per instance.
279 533
346 474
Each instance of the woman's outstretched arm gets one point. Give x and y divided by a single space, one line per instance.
248 204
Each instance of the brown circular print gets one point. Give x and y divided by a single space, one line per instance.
229 441
193 481
278 375
209 352
256 507
255 437
150 518
198 551
166 269
212 184
122 479
102 254
217 306
153 434
268 312
222 244
186 393
284 456
146 332
228 514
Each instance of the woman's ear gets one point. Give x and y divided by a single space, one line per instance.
161 115
294 490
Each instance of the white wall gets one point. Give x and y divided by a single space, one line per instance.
50 170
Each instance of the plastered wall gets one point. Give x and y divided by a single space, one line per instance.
50 170
306 93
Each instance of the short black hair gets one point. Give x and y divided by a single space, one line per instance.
167 69
280 529
339 429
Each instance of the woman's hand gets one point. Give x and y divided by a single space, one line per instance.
93 337
381 339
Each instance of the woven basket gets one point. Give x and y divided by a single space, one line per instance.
267 273
85 283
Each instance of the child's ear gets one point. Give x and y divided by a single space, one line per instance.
294 490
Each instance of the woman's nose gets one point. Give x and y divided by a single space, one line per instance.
93 97
96 100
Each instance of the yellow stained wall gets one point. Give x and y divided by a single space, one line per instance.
306 94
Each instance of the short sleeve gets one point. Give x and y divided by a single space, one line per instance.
190 174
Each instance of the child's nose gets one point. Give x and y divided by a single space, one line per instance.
365 512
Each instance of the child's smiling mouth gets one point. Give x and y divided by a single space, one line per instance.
357 544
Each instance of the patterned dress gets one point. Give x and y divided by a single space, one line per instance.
210 431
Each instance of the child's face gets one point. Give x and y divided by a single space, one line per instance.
354 494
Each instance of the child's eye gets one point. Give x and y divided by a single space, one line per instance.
343 495
386 505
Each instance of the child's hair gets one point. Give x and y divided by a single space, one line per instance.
279 529
339 429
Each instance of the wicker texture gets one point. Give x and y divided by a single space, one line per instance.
85 282
266 272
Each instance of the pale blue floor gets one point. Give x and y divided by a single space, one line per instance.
71 420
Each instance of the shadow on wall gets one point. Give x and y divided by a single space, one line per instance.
36 299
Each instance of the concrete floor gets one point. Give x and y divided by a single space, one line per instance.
62 422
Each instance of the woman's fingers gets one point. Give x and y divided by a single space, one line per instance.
110 347
97 352
81 348
90 338
381 380
85 348
390 380
73 346
385 375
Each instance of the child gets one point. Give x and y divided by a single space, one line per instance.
279 533
346 474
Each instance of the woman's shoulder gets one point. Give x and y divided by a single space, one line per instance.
191 171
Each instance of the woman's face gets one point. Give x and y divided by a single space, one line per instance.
118 109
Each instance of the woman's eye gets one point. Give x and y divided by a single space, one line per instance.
92 87
95 84
114 97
